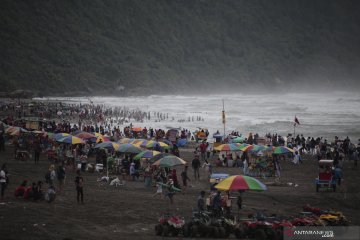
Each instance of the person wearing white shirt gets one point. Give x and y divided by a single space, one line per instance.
3 181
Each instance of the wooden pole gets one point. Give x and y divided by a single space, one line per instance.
223 116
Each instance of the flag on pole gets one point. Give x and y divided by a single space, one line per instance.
296 121
223 117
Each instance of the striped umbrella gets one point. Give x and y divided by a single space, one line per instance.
146 154
169 161
101 138
71 140
240 182
15 131
253 148
107 145
138 142
168 142
128 148
153 144
238 139
228 147
58 136
85 135
242 145
282 150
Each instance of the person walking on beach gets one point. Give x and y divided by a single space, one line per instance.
185 179
203 147
3 179
52 175
79 183
2 142
196 165
170 190
201 202
37 151
61 174
355 157
159 187
297 158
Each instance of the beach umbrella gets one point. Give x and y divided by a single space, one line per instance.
227 147
240 182
168 142
169 161
238 139
146 154
181 142
125 140
128 148
85 135
71 140
161 155
77 132
137 142
18 131
37 132
101 138
10 129
153 144
253 148
242 145
136 129
282 150
15 130
58 136
107 145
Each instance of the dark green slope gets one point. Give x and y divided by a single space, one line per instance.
178 46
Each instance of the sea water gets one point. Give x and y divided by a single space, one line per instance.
325 115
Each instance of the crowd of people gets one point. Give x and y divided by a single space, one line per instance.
85 157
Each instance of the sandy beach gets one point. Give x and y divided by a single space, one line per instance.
130 212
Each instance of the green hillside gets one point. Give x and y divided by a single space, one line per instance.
148 46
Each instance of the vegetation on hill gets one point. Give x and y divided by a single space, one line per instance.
177 46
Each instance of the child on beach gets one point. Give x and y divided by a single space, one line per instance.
159 187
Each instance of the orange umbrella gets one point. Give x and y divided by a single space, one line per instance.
136 129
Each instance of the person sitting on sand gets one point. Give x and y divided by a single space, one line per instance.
20 190
37 191
50 194
29 192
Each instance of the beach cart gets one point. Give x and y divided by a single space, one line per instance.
326 178
217 139
215 178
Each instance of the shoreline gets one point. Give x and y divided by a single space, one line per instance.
262 128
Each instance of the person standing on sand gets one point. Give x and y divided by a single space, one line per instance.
3 179
196 165
159 187
37 151
185 179
201 202
79 183
2 142
170 190
61 175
